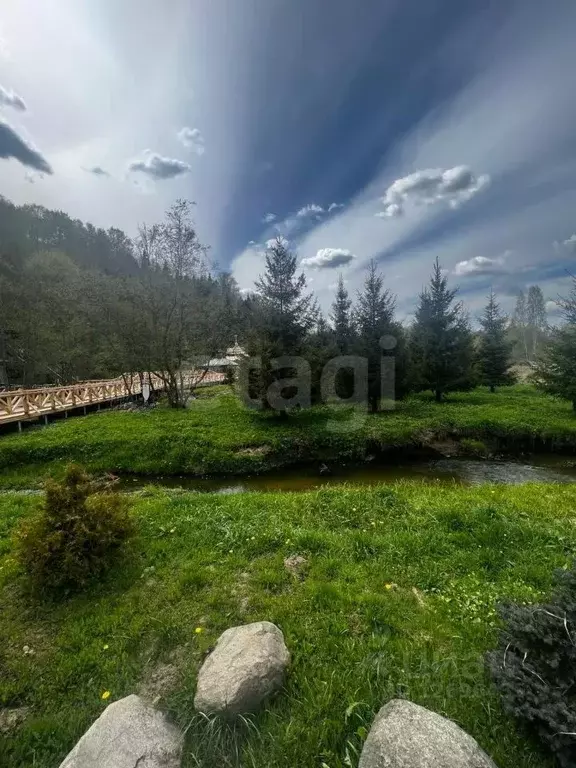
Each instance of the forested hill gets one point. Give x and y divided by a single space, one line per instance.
30 229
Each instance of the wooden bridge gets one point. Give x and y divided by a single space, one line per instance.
19 405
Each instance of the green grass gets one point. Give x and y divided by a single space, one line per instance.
397 599
218 435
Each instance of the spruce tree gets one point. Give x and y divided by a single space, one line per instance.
556 369
494 351
441 348
341 318
285 315
378 334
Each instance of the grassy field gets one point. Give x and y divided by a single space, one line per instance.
217 435
397 598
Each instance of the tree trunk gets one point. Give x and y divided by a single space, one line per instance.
492 388
438 395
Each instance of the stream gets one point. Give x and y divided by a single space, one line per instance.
540 469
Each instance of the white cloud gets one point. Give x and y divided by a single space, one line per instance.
157 167
310 210
329 258
482 265
335 207
192 138
11 99
269 218
567 245
433 185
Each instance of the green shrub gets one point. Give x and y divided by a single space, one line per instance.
76 535
535 667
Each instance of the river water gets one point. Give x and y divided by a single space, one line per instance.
540 469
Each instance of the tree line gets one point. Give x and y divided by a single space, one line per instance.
77 303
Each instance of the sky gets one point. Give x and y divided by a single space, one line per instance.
394 130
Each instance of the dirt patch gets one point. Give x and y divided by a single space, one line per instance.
297 565
255 450
10 719
164 678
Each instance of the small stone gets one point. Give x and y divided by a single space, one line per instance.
128 733
405 735
245 668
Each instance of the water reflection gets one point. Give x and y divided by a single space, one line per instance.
546 469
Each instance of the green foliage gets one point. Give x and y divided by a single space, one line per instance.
441 348
380 339
534 667
75 537
284 315
495 349
342 319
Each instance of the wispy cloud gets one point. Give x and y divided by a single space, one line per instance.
192 138
97 170
268 218
9 98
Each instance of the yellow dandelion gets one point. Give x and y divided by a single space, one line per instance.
105 647
388 586
105 695
199 630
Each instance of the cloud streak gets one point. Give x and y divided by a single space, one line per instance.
12 145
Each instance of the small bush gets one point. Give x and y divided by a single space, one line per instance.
75 537
535 667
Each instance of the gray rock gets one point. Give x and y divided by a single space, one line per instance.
405 735
246 666
127 734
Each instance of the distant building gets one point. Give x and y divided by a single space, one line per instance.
234 355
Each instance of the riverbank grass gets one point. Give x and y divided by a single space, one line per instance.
217 434
396 597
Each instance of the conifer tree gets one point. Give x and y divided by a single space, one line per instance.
441 348
494 351
342 318
285 314
556 369
379 335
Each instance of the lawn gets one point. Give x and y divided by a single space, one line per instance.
218 435
397 598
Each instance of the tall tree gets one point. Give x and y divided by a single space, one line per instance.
441 348
556 368
378 335
494 350
536 319
519 328
341 317
285 315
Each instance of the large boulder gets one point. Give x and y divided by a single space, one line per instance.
405 735
245 667
128 733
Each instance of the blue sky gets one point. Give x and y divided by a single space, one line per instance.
399 130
